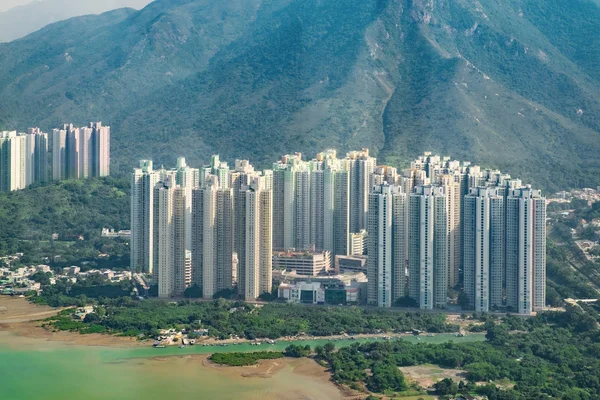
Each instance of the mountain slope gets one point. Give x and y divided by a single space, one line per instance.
513 85
16 22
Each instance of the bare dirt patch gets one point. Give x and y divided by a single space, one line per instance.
426 375
18 309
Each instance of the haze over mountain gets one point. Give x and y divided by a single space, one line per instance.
512 84
21 17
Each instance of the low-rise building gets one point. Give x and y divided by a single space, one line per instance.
72 270
111 233
304 263
331 291
345 264
358 243
43 268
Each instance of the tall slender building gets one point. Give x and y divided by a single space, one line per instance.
212 237
100 153
172 257
239 177
454 196
59 154
428 247
361 167
321 208
525 251
339 231
80 153
254 232
291 203
385 174
386 262
39 163
13 161
82 164
484 249
330 204
217 168
189 179
144 179
29 159
302 208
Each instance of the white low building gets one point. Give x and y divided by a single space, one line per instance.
304 263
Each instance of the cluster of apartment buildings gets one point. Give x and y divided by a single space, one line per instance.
66 153
445 224
439 224
23 159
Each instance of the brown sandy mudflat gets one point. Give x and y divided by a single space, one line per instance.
22 318
18 309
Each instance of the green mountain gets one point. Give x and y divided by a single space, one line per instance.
513 84
16 22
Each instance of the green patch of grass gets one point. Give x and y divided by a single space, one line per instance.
244 359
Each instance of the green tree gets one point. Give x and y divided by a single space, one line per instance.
42 277
297 351
496 333
446 387
329 348
386 377
193 292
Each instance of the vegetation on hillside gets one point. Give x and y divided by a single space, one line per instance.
557 357
570 274
510 84
74 210
93 288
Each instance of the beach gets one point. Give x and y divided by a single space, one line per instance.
84 359
25 320
101 366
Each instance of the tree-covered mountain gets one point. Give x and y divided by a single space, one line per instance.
21 18
513 84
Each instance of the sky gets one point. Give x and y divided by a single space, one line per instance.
18 18
8 4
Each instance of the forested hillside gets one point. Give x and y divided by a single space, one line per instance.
76 211
513 84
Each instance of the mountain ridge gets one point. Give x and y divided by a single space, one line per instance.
494 83
22 19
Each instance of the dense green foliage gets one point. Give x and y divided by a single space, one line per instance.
95 287
558 357
446 387
297 351
64 322
243 359
500 83
76 211
385 377
224 318
563 280
570 274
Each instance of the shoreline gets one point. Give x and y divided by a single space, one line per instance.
34 330
23 319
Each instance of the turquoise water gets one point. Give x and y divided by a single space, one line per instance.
37 369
